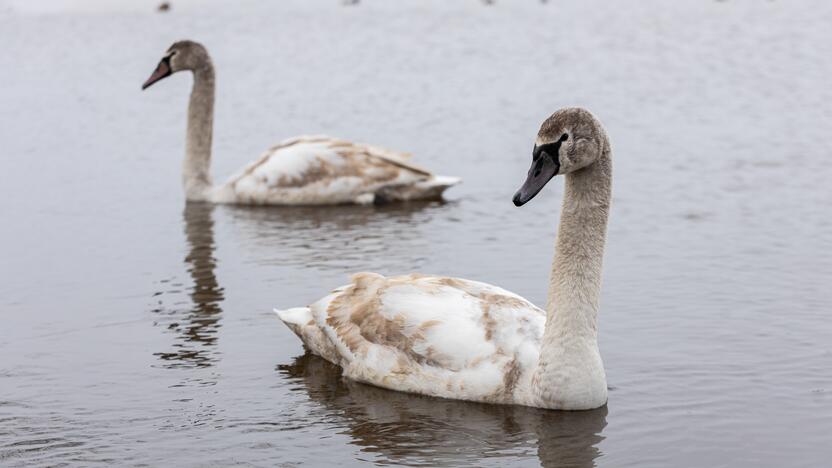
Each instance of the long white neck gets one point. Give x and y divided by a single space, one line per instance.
196 170
570 373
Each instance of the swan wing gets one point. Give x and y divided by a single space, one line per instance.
324 170
433 335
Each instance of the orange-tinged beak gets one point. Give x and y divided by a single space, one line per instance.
162 71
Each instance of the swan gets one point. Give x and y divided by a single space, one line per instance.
306 170
466 340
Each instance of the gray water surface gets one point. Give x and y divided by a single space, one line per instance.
136 330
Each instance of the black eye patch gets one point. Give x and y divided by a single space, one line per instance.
552 149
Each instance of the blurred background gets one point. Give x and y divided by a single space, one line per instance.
137 330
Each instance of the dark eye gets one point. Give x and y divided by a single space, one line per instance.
564 137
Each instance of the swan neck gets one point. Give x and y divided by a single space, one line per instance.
570 373
575 279
196 174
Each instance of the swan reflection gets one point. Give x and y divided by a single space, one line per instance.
194 320
317 237
403 428
337 237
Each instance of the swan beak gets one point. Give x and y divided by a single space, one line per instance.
162 71
544 167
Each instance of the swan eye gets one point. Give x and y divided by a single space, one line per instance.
564 137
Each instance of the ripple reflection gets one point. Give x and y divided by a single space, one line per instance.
416 430
195 321
338 237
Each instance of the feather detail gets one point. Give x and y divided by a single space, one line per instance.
404 333
313 170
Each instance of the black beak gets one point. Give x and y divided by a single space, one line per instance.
162 71
544 167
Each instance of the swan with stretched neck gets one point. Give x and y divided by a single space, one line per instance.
455 338
308 170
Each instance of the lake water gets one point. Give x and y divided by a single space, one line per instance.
137 330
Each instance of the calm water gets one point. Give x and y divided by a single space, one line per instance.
137 330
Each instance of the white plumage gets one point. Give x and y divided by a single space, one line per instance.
314 170
439 336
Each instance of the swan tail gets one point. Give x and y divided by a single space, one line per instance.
443 182
295 318
435 186
428 189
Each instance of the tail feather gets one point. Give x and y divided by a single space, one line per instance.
295 318
444 181
428 189
434 186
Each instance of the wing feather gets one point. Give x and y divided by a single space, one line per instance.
445 323
437 336
319 169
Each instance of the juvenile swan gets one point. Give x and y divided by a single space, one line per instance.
455 338
309 170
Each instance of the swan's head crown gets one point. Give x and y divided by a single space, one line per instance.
569 140
181 55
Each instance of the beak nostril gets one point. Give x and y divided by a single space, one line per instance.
537 173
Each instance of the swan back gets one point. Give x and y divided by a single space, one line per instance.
323 170
432 335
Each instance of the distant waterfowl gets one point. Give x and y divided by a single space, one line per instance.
307 170
462 339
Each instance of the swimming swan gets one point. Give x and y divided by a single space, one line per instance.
461 339
310 170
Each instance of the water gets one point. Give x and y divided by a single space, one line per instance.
137 330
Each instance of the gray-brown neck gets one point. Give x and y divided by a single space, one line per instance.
196 170
570 372
575 280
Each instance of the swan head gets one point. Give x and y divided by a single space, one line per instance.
569 140
182 55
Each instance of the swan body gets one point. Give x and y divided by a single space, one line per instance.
307 170
445 337
461 339
316 170
405 332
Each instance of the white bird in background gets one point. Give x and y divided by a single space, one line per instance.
307 170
